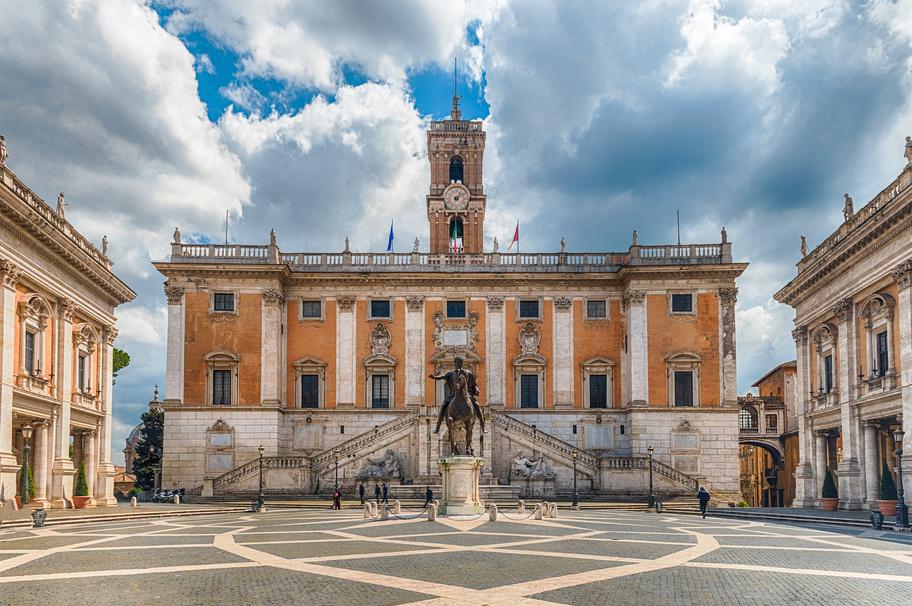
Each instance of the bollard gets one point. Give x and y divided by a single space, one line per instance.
133 502
367 511
384 512
493 512
521 507
552 512
538 512
374 509
432 513
437 503
177 499
397 507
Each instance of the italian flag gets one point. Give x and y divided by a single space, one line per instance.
454 242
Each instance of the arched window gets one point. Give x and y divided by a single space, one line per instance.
456 169
456 231
748 418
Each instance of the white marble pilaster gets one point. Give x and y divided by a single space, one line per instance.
8 464
637 346
562 352
41 464
728 297
495 352
104 475
270 366
414 351
850 474
89 457
872 472
62 471
903 276
805 481
174 362
821 464
345 352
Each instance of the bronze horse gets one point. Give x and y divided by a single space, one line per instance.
460 413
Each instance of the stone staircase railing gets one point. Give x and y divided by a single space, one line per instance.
374 439
660 469
586 462
252 467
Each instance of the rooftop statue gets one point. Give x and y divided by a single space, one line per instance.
848 211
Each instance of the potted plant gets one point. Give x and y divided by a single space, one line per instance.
829 498
81 489
887 501
31 487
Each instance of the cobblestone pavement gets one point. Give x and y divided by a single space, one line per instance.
338 557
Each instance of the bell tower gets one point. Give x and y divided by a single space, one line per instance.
456 201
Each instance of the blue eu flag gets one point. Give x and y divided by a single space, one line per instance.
389 245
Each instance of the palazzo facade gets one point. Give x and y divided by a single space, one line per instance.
853 333
323 358
56 350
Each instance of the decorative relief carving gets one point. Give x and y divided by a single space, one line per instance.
843 310
800 334
380 339
273 296
175 294
529 338
903 274
346 302
10 273
68 309
562 303
495 303
110 335
414 303
452 328
728 296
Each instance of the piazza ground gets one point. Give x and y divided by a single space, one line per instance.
338 557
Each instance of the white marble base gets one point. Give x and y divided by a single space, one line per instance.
460 485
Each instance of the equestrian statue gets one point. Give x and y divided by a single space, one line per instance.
460 407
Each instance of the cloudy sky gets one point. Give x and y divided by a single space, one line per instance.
309 117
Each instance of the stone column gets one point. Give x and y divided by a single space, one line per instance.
414 351
270 362
62 471
872 471
637 346
562 352
345 352
174 363
850 491
41 464
8 464
727 351
88 456
805 484
495 352
903 276
104 474
821 466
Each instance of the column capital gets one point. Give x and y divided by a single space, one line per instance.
843 310
43 423
872 423
346 302
109 334
10 272
67 309
728 296
562 303
800 335
902 273
633 297
175 294
414 303
495 303
273 297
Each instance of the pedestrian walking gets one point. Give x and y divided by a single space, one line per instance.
361 492
385 493
377 493
428 496
337 499
703 496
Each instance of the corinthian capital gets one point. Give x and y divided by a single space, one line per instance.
495 303
634 297
414 303
903 274
273 297
175 294
109 335
562 303
843 310
68 309
728 296
10 273
800 335
346 302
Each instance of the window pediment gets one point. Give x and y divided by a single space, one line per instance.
222 356
308 362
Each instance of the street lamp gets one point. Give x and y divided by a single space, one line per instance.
650 502
902 512
261 498
575 504
336 453
26 435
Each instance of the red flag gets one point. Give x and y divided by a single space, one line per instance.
515 238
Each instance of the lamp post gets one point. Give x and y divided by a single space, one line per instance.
26 436
336 455
575 504
650 502
902 512
261 498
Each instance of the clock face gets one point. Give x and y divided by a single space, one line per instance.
456 197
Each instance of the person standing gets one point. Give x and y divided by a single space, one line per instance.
361 492
337 499
428 496
385 493
377 493
703 497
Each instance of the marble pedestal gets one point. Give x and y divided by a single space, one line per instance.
460 485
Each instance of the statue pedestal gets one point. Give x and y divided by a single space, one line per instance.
537 487
460 485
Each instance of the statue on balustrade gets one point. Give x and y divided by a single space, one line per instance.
386 467
529 469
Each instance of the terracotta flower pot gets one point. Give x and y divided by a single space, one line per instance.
80 502
18 502
887 508
827 504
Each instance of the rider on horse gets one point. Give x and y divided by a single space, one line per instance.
457 380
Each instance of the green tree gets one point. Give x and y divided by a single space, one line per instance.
149 448
829 486
82 486
31 483
887 485
121 361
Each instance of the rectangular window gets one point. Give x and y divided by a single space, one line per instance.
598 391
772 422
596 309
683 385
528 309
310 391
828 373
528 391
311 309
29 352
81 372
380 308
682 303
380 391
883 361
456 309
221 387
223 301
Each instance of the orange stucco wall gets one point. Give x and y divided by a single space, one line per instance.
676 333
593 338
240 335
396 326
312 339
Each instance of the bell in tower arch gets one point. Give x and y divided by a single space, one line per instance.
456 169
